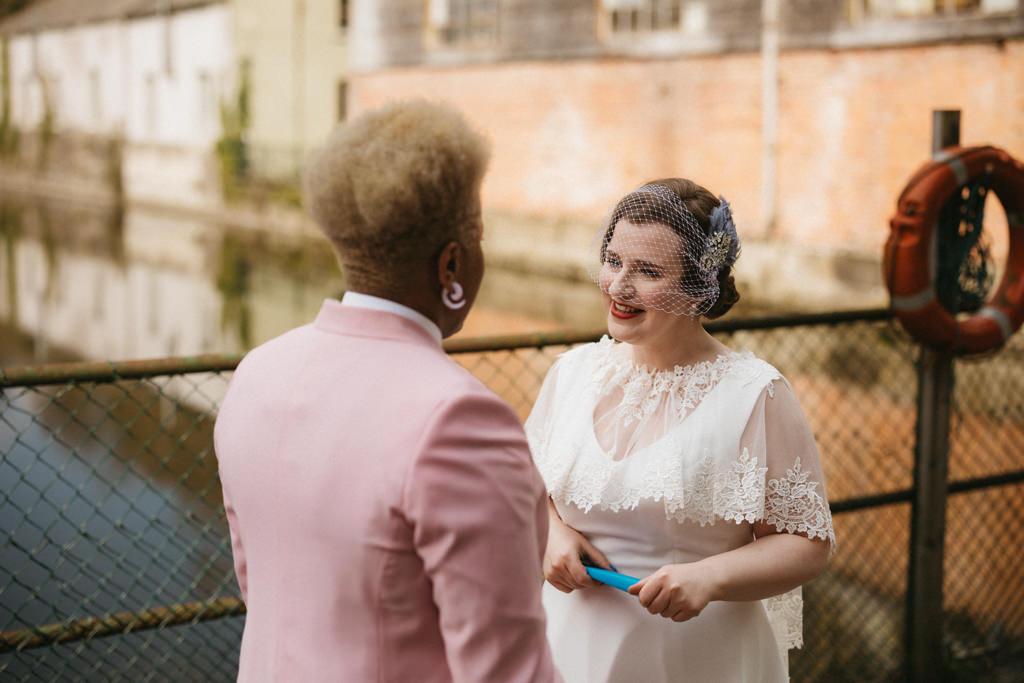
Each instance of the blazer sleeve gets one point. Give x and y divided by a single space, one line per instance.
237 553
477 509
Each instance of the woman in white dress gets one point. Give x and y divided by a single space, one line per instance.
678 461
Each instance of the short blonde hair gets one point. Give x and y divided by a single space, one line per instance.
394 185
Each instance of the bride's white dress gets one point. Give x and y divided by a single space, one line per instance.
664 467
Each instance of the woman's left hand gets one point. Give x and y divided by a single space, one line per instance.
676 591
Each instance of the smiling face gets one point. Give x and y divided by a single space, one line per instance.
641 278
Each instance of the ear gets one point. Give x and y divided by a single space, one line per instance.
449 264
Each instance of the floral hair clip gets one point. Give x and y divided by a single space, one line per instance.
723 243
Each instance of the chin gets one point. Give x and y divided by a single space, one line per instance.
619 330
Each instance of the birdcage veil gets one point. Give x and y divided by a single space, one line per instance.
653 248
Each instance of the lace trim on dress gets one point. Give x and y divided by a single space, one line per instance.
794 505
786 616
644 389
738 494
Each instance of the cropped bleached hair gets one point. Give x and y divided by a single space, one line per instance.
392 186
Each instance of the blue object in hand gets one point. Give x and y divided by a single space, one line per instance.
613 579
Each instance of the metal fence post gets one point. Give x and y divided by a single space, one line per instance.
924 623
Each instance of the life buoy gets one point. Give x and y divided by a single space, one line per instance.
910 258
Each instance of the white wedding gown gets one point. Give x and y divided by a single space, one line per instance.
665 467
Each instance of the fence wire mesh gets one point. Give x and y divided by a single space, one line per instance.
116 564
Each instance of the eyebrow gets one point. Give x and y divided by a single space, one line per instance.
611 253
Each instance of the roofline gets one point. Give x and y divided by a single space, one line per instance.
58 14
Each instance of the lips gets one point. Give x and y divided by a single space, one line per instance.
624 311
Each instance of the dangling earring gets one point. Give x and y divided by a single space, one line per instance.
454 299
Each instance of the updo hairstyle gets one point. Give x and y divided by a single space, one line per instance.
700 203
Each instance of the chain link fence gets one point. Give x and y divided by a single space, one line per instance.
115 561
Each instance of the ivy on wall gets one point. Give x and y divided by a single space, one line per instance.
46 124
232 153
9 136
239 180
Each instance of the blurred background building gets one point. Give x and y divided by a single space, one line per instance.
809 116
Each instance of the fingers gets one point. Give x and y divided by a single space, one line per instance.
661 596
595 556
567 573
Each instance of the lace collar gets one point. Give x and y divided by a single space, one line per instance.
644 389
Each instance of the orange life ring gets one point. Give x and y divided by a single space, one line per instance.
910 259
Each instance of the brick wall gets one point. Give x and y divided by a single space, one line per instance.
570 136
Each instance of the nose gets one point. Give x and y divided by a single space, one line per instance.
621 286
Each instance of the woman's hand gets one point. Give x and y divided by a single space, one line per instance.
563 565
773 564
676 591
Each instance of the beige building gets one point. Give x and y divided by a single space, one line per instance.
809 118
295 53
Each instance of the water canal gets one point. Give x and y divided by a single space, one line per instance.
110 498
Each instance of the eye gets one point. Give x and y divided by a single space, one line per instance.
613 261
650 272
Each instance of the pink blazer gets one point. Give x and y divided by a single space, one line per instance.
387 521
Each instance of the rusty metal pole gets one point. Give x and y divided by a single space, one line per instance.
924 616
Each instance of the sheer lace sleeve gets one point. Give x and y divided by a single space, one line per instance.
795 499
541 418
778 435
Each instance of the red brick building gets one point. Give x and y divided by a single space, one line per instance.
811 140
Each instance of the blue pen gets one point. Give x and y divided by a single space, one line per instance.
613 579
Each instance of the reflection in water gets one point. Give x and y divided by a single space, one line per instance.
111 499
111 503
100 283
10 231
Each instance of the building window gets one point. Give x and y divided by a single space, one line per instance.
463 23
342 100
343 14
207 103
151 104
900 9
646 16
96 97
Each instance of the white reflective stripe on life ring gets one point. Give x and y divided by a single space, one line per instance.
1000 319
955 163
912 302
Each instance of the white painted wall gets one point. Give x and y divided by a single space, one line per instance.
158 81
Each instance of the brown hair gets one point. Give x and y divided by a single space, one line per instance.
700 202
394 185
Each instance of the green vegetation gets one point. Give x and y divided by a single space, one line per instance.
233 283
10 230
231 149
8 133
46 125
238 182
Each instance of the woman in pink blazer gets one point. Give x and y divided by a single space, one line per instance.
387 521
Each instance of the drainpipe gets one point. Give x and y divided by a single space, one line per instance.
769 113
298 80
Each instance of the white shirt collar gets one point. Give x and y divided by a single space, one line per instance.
376 303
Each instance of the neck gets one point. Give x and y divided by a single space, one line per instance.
415 295
683 344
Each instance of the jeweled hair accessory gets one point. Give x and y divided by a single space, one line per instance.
723 245
663 258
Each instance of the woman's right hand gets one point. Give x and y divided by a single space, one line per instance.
563 565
